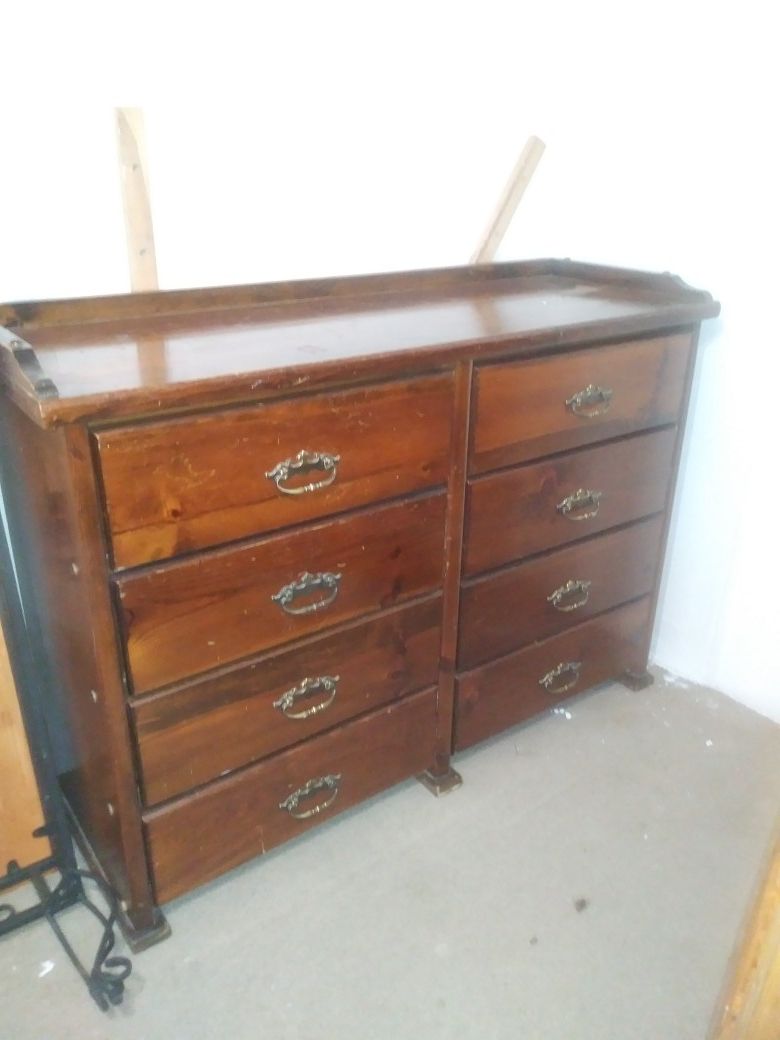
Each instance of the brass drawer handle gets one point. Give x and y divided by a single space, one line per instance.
303 462
304 584
571 596
592 401
331 783
327 683
582 504
552 681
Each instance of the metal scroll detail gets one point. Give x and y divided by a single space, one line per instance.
571 596
582 504
592 401
562 677
304 584
29 365
330 783
304 462
327 683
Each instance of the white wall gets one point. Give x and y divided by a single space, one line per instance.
339 137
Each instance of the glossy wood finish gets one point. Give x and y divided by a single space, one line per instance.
520 410
441 778
509 609
513 514
186 484
163 674
53 517
197 838
508 691
141 355
191 735
209 610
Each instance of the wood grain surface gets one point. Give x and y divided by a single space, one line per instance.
207 833
749 1007
141 355
199 731
20 804
505 611
514 513
520 409
214 608
187 484
507 691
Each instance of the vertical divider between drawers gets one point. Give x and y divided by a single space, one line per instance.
453 556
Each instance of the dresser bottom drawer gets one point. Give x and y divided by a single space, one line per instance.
220 826
514 688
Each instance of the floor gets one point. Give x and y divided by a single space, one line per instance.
586 883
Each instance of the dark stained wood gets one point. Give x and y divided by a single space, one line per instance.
638 680
60 558
508 691
439 778
173 487
208 610
505 611
199 731
252 342
162 677
205 834
513 514
520 410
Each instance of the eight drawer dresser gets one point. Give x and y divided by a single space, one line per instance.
283 546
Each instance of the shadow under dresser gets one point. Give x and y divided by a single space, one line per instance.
284 546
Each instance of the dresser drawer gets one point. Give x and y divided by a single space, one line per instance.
186 484
208 610
525 683
526 510
527 409
197 838
194 734
534 600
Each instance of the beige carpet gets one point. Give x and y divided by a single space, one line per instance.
585 883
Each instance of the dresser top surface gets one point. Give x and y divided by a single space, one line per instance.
110 357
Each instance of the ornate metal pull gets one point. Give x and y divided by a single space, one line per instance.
320 783
303 584
582 504
552 681
590 402
571 596
302 463
327 683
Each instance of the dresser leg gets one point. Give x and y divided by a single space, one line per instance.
140 938
141 927
442 784
637 680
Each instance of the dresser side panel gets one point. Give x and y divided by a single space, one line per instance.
58 554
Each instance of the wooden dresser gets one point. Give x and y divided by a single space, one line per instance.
283 546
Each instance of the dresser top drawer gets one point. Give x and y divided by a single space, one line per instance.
204 612
186 484
526 409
